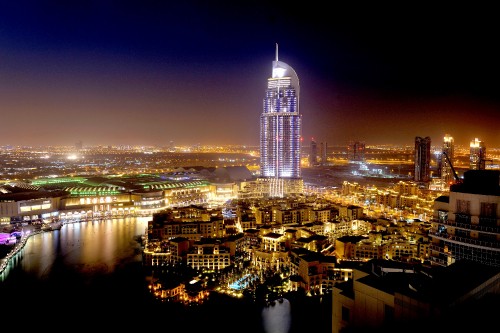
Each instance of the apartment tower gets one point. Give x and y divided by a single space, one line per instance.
313 153
323 152
356 152
280 134
422 159
477 155
446 171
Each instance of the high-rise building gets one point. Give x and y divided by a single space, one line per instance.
465 223
356 152
477 155
445 168
422 159
313 153
280 133
323 148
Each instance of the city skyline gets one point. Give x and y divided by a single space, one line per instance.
154 73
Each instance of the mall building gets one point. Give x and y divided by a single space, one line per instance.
79 198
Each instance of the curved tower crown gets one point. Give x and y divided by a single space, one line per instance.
285 74
280 131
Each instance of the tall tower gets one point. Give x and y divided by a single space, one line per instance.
356 152
324 148
422 159
477 155
280 133
313 153
445 167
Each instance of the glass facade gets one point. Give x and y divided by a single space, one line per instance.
280 130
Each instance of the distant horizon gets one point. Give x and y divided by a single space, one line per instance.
190 146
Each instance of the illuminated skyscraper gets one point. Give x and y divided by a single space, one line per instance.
280 133
445 167
477 155
422 159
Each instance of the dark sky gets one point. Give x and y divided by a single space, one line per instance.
151 72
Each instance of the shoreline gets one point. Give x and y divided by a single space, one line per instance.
19 245
31 230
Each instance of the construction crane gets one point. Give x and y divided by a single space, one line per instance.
457 179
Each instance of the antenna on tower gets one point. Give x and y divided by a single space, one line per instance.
276 51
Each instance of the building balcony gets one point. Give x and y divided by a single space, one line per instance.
447 254
439 261
469 226
465 240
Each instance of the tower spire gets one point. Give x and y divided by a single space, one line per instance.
276 51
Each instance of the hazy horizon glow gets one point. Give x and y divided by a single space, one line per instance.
152 73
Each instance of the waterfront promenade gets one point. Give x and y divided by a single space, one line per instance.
9 251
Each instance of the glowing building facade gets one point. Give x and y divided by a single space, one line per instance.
280 133
445 167
477 155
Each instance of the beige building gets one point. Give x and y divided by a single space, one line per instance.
208 255
313 272
386 296
466 223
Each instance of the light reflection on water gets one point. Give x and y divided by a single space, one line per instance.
277 318
79 264
93 247
89 270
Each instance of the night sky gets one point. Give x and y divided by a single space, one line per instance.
152 72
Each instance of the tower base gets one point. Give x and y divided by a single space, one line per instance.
279 187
